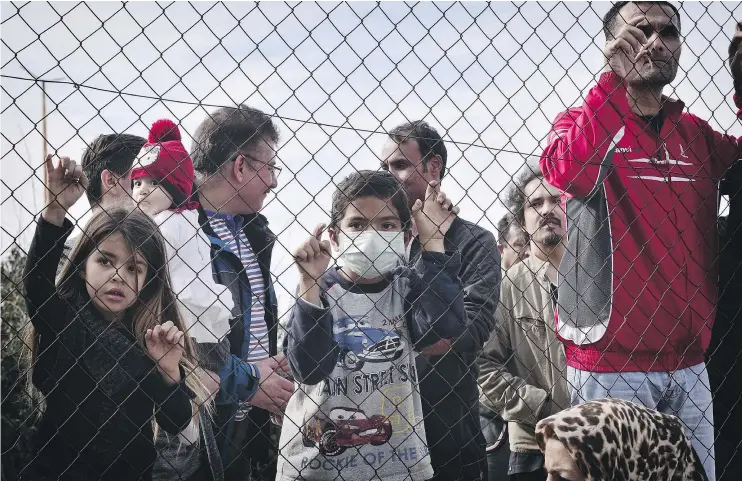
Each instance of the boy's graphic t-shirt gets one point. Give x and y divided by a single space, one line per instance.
365 421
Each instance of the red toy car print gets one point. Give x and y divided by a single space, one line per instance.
344 428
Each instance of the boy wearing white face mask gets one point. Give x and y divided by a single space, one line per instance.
354 330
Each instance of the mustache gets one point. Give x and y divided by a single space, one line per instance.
550 218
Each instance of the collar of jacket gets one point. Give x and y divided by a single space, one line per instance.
249 221
672 108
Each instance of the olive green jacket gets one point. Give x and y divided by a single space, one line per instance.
523 367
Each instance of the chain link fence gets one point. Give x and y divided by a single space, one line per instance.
334 81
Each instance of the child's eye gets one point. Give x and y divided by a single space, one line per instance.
155 182
388 226
103 261
136 268
355 225
137 183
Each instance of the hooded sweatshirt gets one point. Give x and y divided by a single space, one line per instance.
638 282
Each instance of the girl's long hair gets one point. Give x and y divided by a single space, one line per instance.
155 303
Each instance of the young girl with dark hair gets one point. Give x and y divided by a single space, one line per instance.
108 350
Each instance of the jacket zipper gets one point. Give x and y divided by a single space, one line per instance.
673 217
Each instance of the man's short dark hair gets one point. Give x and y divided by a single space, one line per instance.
228 131
428 140
113 152
515 199
609 20
504 228
370 183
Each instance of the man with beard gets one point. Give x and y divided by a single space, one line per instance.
638 283
522 368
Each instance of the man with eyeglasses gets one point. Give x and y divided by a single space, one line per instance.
638 281
234 155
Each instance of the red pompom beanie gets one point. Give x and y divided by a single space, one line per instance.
165 159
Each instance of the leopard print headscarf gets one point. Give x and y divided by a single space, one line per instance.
615 440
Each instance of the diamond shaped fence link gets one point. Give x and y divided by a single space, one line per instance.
173 308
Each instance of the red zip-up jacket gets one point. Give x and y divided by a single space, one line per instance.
638 283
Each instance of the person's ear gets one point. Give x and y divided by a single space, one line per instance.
435 164
500 249
239 167
334 241
108 180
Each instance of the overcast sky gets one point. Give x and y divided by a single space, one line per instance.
490 77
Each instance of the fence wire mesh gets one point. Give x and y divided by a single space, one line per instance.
582 242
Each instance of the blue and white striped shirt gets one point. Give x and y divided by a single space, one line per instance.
256 344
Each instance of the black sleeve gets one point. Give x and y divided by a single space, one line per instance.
48 312
174 409
435 302
480 276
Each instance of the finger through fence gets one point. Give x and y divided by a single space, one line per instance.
366 240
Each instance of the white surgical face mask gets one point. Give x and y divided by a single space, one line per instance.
371 254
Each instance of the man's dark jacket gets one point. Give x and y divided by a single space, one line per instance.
251 437
448 383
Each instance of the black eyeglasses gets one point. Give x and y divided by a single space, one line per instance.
275 170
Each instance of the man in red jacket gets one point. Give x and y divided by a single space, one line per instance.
638 283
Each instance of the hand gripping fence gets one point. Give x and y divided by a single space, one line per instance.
377 241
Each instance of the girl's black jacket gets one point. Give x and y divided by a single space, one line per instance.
101 388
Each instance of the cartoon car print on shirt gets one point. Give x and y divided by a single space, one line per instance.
360 343
344 428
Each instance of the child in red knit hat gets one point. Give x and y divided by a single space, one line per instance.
163 181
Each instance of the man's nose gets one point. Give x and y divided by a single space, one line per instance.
547 209
656 43
551 207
